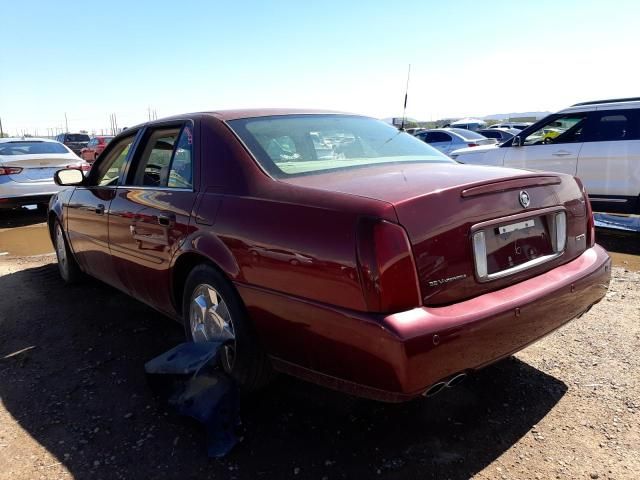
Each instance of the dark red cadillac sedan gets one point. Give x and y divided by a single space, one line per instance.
331 247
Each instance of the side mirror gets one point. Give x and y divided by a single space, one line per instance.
68 177
517 141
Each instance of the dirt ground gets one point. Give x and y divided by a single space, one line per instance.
74 401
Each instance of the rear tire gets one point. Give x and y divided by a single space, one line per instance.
67 265
213 311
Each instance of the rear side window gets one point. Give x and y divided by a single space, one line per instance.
607 126
181 171
437 137
490 134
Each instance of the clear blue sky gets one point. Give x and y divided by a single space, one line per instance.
468 58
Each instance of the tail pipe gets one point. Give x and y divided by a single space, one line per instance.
448 383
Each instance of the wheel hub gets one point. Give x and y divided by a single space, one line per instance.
210 319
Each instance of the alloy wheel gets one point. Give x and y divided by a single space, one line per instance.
210 320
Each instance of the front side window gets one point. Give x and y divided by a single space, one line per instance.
308 144
153 164
110 170
166 159
562 129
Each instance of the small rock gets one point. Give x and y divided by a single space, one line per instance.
594 475
296 470
128 415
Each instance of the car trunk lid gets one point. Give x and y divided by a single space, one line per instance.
441 206
38 168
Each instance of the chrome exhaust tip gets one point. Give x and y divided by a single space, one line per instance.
434 389
456 379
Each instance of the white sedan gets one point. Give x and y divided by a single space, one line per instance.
27 166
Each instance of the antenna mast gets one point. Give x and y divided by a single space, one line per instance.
406 93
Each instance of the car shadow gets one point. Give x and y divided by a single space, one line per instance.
72 377
21 217
619 241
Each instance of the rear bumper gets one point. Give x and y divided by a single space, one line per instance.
14 194
398 357
15 202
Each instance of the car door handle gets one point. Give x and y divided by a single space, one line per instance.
561 153
166 219
99 209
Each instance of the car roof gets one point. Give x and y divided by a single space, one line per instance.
26 139
614 104
611 100
237 114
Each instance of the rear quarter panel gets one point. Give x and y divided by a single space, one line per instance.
493 157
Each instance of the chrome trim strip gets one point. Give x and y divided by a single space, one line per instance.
612 200
519 268
164 189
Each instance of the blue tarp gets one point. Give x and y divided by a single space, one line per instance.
196 387
624 223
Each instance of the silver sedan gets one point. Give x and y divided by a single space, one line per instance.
449 139
27 166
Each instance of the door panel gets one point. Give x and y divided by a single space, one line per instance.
611 171
561 158
150 214
87 214
146 227
87 230
553 146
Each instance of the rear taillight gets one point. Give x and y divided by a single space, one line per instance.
387 270
591 222
85 167
472 144
10 170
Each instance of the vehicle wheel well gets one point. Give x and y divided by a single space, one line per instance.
183 266
51 220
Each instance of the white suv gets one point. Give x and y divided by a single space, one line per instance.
599 142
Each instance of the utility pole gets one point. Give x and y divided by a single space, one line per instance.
1 131
66 123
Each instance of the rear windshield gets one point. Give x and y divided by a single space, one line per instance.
107 139
31 148
76 137
307 144
467 134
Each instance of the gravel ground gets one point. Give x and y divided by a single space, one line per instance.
75 402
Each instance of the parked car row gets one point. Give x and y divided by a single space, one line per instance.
27 166
447 140
599 142
87 148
